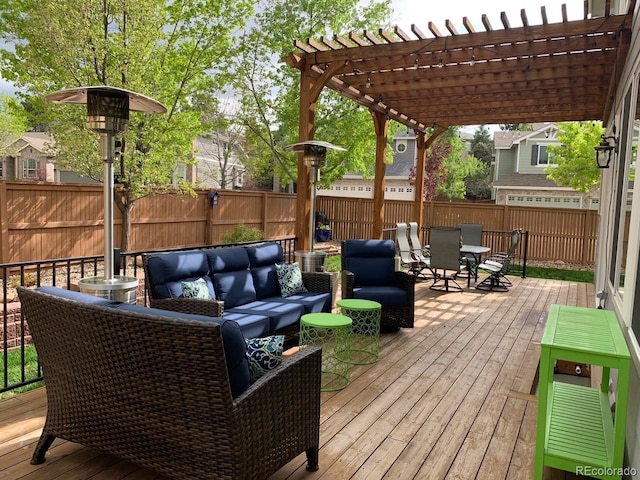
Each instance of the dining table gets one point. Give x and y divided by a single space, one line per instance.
476 251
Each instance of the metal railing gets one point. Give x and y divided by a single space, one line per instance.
17 370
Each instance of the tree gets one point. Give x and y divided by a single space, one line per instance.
13 121
481 145
574 158
524 127
434 172
459 165
270 93
165 49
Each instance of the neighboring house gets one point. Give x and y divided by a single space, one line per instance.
397 186
219 165
31 157
518 175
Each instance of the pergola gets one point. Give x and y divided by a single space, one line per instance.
563 71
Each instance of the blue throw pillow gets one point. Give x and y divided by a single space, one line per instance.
264 354
290 279
196 289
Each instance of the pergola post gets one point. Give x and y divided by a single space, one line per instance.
306 129
381 124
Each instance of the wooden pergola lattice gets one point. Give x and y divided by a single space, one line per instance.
563 71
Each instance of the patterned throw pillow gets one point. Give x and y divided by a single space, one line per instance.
196 289
290 279
264 354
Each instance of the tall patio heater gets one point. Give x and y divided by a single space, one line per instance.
107 115
315 153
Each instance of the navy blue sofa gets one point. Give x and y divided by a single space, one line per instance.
244 283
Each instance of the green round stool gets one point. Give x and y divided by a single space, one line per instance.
365 315
332 332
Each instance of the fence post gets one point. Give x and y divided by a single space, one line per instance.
4 225
586 236
506 220
208 224
265 200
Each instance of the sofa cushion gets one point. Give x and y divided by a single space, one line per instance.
262 260
281 314
196 289
251 325
232 279
167 271
311 301
371 262
388 295
264 354
290 279
235 348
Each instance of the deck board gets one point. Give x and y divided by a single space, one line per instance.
450 398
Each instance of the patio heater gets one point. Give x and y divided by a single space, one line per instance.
315 153
107 115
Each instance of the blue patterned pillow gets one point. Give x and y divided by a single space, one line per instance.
196 289
290 279
264 354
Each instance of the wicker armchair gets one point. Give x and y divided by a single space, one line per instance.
368 273
155 390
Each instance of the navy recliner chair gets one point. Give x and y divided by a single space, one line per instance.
368 273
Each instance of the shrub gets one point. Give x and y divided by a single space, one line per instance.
243 234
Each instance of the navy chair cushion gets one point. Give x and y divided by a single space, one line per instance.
251 325
263 259
168 270
372 262
312 302
388 296
232 279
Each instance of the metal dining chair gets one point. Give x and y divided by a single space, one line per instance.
408 257
444 247
471 235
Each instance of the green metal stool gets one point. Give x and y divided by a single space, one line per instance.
332 332
365 315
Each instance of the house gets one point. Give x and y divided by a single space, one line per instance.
397 174
518 176
218 164
32 157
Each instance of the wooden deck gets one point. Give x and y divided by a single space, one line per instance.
450 398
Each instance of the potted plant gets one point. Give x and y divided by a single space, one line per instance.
323 232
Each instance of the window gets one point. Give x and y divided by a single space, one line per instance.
401 146
29 168
360 189
179 173
540 156
368 189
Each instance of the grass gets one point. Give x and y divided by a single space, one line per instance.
583 276
15 372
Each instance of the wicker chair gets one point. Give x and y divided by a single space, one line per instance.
155 390
368 273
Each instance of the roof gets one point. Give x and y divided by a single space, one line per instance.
517 74
506 139
524 180
39 140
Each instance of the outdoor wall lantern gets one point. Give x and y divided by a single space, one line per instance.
107 115
605 151
315 153
214 198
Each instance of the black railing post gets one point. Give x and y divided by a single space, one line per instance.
526 249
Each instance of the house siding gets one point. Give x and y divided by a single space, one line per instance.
506 162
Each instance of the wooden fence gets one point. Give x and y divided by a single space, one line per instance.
565 235
41 221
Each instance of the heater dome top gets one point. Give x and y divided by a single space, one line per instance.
137 101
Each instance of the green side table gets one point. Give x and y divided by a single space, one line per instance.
332 332
365 315
575 430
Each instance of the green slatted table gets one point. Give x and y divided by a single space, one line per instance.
575 430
